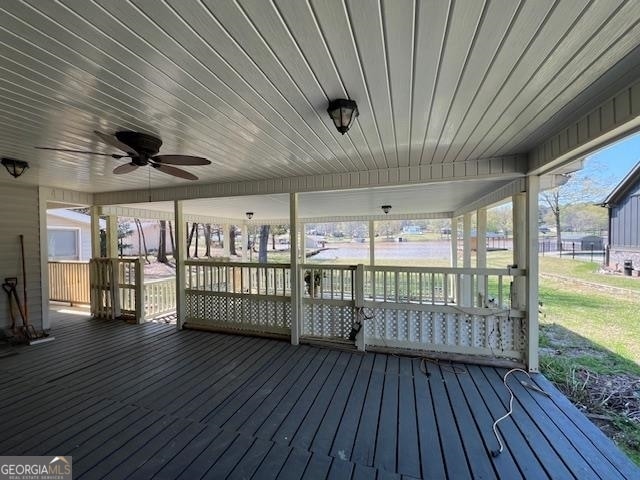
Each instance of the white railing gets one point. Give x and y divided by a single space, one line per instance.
227 296
116 287
469 287
159 297
328 302
452 310
69 282
447 310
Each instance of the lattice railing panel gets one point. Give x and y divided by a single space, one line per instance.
327 321
492 334
238 312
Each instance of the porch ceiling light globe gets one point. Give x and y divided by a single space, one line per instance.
249 215
386 208
343 112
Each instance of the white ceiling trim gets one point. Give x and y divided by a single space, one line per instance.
499 168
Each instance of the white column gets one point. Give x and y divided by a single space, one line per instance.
519 248
112 236
226 240
372 243
533 188
454 242
180 255
44 259
294 274
466 293
481 251
303 242
245 242
95 231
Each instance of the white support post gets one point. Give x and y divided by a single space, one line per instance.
226 241
372 243
44 259
518 295
303 242
454 242
533 188
245 242
139 278
481 251
95 231
112 236
180 255
358 288
466 260
295 271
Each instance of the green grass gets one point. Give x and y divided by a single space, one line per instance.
586 333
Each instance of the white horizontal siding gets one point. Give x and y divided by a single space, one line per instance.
20 216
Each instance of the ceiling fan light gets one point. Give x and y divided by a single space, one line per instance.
249 215
343 112
386 208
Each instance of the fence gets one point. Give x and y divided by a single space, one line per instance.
328 301
249 297
453 310
461 310
69 282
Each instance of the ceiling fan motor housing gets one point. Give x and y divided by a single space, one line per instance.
145 145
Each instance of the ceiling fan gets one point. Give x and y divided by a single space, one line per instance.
143 150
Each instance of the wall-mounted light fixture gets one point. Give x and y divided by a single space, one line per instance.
386 208
249 215
343 112
14 167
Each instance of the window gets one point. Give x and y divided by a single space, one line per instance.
63 243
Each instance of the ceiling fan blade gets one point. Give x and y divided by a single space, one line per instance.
114 142
82 151
176 172
180 160
126 168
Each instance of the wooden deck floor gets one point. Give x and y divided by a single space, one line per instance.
128 401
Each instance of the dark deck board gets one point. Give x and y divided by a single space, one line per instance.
131 401
524 433
267 427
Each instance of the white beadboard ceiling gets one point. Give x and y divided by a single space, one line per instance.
246 83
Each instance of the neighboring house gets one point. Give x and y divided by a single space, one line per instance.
623 204
69 234
151 230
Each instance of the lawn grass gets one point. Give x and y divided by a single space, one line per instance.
590 341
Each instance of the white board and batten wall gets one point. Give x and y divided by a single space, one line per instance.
20 216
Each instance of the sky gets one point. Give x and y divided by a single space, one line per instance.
612 164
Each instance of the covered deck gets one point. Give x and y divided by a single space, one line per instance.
143 401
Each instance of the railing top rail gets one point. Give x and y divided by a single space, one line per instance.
327 266
160 280
515 272
73 262
236 264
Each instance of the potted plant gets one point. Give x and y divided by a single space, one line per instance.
312 287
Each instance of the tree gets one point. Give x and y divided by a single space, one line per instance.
142 238
124 230
276 230
173 242
194 228
207 239
578 188
264 241
162 242
232 240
